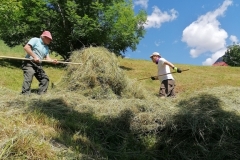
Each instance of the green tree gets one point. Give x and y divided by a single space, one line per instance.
73 23
232 55
10 13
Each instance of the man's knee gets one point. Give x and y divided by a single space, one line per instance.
45 80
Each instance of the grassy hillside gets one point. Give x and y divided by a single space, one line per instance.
11 73
203 122
197 78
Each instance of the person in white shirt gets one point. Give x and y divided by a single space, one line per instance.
167 87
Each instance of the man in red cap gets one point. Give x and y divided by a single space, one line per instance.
167 87
37 50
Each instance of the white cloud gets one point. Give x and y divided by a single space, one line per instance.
214 57
142 3
157 43
176 41
205 34
158 17
233 39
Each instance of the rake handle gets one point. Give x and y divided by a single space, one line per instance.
163 74
27 59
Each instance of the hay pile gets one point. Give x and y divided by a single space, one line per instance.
99 76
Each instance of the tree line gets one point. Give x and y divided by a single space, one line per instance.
232 55
73 23
80 23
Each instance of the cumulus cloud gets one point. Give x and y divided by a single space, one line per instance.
142 3
214 57
205 34
233 39
158 17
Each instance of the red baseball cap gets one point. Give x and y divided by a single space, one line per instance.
47 34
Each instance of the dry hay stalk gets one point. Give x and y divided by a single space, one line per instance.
99 76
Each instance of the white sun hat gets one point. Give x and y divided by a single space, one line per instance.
155 54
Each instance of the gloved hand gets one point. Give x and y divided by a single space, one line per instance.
177 69
153 78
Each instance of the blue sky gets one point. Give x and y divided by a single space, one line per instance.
195 32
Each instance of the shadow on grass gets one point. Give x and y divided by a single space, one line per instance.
99 138
12 63
202 130
126 68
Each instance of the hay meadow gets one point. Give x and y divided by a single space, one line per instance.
100 110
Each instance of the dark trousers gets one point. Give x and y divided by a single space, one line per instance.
31 69
167 88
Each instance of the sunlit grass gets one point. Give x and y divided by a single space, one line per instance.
202 122
196 78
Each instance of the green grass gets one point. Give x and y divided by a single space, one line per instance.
17 51
11 73
197 78
203 122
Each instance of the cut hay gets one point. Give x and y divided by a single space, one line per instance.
99 76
